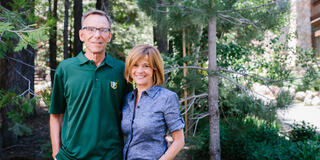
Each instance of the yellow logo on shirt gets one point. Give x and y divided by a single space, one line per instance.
113 85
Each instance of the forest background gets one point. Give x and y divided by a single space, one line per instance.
215 51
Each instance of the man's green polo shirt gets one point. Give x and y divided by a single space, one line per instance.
90 98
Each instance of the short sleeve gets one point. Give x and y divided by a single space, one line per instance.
58 101
172 114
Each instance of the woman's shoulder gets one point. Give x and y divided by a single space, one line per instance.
165 91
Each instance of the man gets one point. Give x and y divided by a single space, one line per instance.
85 110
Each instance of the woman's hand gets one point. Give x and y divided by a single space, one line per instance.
175 147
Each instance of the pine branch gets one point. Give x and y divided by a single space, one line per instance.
237 21
24 30
249 8
180 6
264 80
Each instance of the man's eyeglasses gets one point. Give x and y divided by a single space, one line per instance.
92 30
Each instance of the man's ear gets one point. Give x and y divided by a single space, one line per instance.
109 37
81 35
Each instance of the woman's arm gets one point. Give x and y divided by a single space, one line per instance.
175 147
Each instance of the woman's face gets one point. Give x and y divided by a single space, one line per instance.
142 73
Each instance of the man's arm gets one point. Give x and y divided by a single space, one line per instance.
55 132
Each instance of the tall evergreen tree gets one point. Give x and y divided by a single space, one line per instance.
66 30
160 29
53 38
17 53
77 14
103 5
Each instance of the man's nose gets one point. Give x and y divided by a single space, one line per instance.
97 33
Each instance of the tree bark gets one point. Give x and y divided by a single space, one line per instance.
15 77
71 30
66 30
103 5
214 148
160 30
53 42
185 92
77 13
99 4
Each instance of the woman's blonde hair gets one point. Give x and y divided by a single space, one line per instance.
155 61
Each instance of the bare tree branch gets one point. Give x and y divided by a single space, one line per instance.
244 89
194 96
200 116
237 21
223 17
19 61
29 90
182 67
248 75
24 30
189 106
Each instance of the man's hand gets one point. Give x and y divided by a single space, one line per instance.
55 132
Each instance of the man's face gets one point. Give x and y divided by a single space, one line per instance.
95 40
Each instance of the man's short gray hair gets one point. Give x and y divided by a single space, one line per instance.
96 12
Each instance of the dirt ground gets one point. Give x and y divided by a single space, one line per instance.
297 113
36 146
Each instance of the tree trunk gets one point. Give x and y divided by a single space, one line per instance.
65 30
16 77
71 30
196 49
103 5
3 85
53 42
160 30
214 148
77 13
99 4
185 92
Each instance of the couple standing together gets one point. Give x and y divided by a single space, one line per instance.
94 111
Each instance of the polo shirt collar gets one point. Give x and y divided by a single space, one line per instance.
107 60
83 59
151 92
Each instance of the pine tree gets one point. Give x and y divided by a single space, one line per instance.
246 19
19 36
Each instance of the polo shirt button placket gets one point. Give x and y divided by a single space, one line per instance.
96 79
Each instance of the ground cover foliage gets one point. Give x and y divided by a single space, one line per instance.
251 138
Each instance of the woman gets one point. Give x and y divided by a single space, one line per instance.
150 110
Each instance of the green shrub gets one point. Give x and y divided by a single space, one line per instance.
251 139
199 145
302 132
